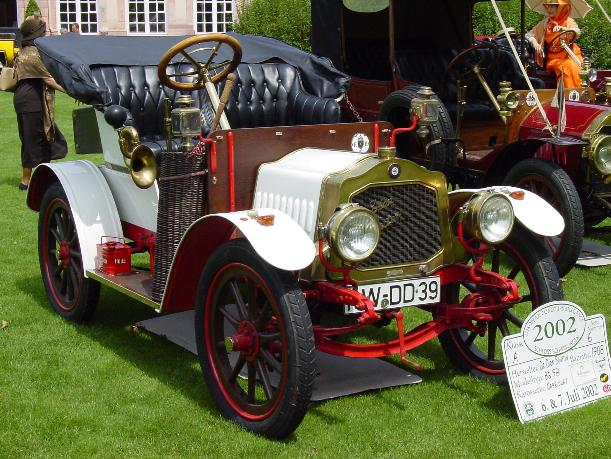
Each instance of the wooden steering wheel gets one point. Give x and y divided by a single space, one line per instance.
470 58
201 70
568 37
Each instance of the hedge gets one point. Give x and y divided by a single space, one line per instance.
289 21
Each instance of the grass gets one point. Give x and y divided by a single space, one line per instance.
101 390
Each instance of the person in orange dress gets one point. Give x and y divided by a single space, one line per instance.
558 20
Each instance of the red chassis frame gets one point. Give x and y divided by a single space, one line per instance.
495 295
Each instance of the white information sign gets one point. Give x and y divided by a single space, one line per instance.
560 361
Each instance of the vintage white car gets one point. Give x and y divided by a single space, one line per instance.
283 232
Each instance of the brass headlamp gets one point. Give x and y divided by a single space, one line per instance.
186 121
587 73
488 216
508 99
606 91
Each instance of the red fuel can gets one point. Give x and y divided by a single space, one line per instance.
114 256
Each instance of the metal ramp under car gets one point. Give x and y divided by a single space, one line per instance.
336 376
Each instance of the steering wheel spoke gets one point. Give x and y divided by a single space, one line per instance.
567 37
476 56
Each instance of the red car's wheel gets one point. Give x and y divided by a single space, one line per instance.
255 341
553 184
72 295
524 259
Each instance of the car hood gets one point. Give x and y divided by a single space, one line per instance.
579 116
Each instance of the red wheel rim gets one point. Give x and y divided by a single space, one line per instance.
241 307
61 255
465 341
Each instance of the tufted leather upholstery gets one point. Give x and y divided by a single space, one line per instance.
272 95
428 67
268 94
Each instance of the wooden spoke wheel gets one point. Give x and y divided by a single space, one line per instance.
72 295
255 341
204 61
523 258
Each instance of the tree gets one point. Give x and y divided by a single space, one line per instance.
31 8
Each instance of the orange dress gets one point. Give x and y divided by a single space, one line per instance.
559 62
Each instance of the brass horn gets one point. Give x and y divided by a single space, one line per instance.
139 158
143 166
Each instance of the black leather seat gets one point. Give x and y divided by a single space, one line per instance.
273 95
269 94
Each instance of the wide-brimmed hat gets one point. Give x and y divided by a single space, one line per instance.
579 8
32 28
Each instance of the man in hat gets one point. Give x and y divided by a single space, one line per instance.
34 101
558 21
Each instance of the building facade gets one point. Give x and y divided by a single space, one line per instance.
136 17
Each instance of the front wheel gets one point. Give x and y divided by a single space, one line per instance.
72 295
255 341
553 184
523 258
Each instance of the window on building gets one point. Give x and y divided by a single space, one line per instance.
146 16
83 12
213 15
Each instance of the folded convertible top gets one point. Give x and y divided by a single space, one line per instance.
71 57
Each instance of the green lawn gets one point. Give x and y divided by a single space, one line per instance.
102 390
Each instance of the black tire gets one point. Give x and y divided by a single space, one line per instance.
272 331
71 294
395 109
554 185
525 259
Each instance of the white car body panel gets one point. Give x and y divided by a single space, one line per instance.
304 170
284 244
85 186
135 205
110 141
534 212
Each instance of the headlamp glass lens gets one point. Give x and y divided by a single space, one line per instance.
496 219
357 235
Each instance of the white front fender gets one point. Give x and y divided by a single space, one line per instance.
534 212
92 204
284 244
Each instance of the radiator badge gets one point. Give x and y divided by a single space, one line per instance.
360 143
394 170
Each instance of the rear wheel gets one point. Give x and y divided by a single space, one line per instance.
524 259
255 341
72 295
553 184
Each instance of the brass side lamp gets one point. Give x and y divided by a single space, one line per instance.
426 108
186 121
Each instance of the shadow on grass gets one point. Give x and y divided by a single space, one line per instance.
11 181
160 359
155 356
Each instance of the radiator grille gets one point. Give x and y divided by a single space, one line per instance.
409 222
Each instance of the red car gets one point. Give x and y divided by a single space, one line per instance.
490 130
